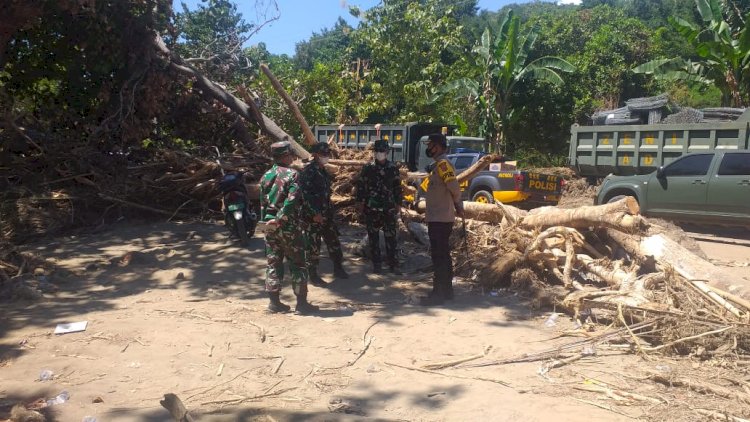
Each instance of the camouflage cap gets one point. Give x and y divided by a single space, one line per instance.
321 148
380 145
279 149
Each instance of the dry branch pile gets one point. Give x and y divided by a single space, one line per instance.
598 264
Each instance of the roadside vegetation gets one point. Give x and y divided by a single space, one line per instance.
88 96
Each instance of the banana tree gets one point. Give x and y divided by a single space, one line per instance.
499 65
723 55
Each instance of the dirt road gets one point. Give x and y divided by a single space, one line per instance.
178 308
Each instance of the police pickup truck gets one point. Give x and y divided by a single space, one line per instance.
503 183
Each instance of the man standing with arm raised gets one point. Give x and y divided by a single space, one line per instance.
444 202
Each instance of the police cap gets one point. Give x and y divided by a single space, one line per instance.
280 149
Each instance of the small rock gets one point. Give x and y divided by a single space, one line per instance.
97 399
91 267
180 276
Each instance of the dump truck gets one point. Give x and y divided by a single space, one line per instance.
404 140
629 149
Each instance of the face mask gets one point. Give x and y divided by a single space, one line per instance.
380 156
323 160
429 152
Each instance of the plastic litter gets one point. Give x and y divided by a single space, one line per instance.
664 368
88 419
589 350
71 327
551 320
59 399
46 375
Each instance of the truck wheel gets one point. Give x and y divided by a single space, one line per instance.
483 197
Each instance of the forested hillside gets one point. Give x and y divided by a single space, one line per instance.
92 90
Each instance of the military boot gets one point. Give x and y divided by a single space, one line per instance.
338 271
432 300
435 298
393 268
303 306
275 305
315 279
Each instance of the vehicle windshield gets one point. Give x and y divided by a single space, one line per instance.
467 145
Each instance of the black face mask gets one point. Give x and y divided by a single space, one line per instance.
429 152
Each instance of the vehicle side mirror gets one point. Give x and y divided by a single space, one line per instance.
660 172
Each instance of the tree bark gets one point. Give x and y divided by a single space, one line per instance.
475 168
309 137
476 211
348 163
689 265
621 215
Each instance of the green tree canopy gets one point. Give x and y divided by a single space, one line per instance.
722 53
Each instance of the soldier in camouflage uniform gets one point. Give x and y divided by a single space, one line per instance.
378 199
315 184
280 208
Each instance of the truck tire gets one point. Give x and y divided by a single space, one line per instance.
242 232
483 197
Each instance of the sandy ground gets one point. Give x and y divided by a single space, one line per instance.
184 313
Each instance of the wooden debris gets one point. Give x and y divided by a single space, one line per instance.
175 407
427 371
448 364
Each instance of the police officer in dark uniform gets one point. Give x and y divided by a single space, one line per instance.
315 183
378 200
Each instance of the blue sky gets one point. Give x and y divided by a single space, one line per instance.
300 18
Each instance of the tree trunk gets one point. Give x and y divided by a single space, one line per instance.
689 265
229 100
309 137
475 168
621 215
476 211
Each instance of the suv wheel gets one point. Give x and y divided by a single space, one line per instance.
483 197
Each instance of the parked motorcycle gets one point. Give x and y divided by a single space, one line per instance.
239 216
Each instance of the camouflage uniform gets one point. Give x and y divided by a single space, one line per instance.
379 191
315 184
280 201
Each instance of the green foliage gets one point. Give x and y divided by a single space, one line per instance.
211 38
602 43
407 48
499 64
723 54
74 73
328 47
